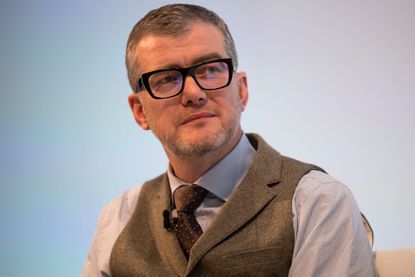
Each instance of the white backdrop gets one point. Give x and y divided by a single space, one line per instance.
331 82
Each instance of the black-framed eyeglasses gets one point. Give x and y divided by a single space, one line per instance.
166 83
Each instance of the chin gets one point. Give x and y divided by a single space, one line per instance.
202 142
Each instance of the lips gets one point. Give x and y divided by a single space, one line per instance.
196 116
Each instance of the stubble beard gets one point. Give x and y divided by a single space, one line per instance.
186 147
206 143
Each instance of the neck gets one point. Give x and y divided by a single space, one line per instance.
190 167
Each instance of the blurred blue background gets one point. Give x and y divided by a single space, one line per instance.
331 82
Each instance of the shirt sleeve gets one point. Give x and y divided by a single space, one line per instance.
330 239
111 222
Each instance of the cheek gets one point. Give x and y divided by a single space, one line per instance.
163 120
231 110
151 117
235 104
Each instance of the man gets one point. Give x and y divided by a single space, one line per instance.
229 204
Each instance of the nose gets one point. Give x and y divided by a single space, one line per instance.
192 94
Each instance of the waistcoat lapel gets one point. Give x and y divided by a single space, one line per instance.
168 243
256 190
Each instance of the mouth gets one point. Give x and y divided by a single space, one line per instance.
197 116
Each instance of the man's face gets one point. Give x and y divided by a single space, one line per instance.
195 122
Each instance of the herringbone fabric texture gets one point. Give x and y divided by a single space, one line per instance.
187 199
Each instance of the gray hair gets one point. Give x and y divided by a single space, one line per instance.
173 20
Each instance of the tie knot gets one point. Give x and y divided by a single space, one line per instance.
188 198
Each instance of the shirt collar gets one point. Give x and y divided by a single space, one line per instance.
226 175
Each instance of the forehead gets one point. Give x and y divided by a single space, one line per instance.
202 40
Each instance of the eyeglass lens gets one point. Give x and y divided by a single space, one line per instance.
208 76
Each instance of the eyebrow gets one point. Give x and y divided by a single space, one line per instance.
201 59
207 57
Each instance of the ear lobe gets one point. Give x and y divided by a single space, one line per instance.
138 112
243 89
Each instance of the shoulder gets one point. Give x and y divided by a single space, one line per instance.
121 208
115 216
322 203
317 185
117 213
329 234
320 198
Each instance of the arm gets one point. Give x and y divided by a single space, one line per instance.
330 239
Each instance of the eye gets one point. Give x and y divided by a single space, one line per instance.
211 70
165 77
168 79
165 81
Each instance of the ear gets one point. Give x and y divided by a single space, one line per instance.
243 88
137 109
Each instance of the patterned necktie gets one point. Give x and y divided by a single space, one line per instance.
187 199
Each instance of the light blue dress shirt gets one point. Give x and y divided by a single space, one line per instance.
330 239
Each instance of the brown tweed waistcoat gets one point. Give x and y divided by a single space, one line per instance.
251 236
